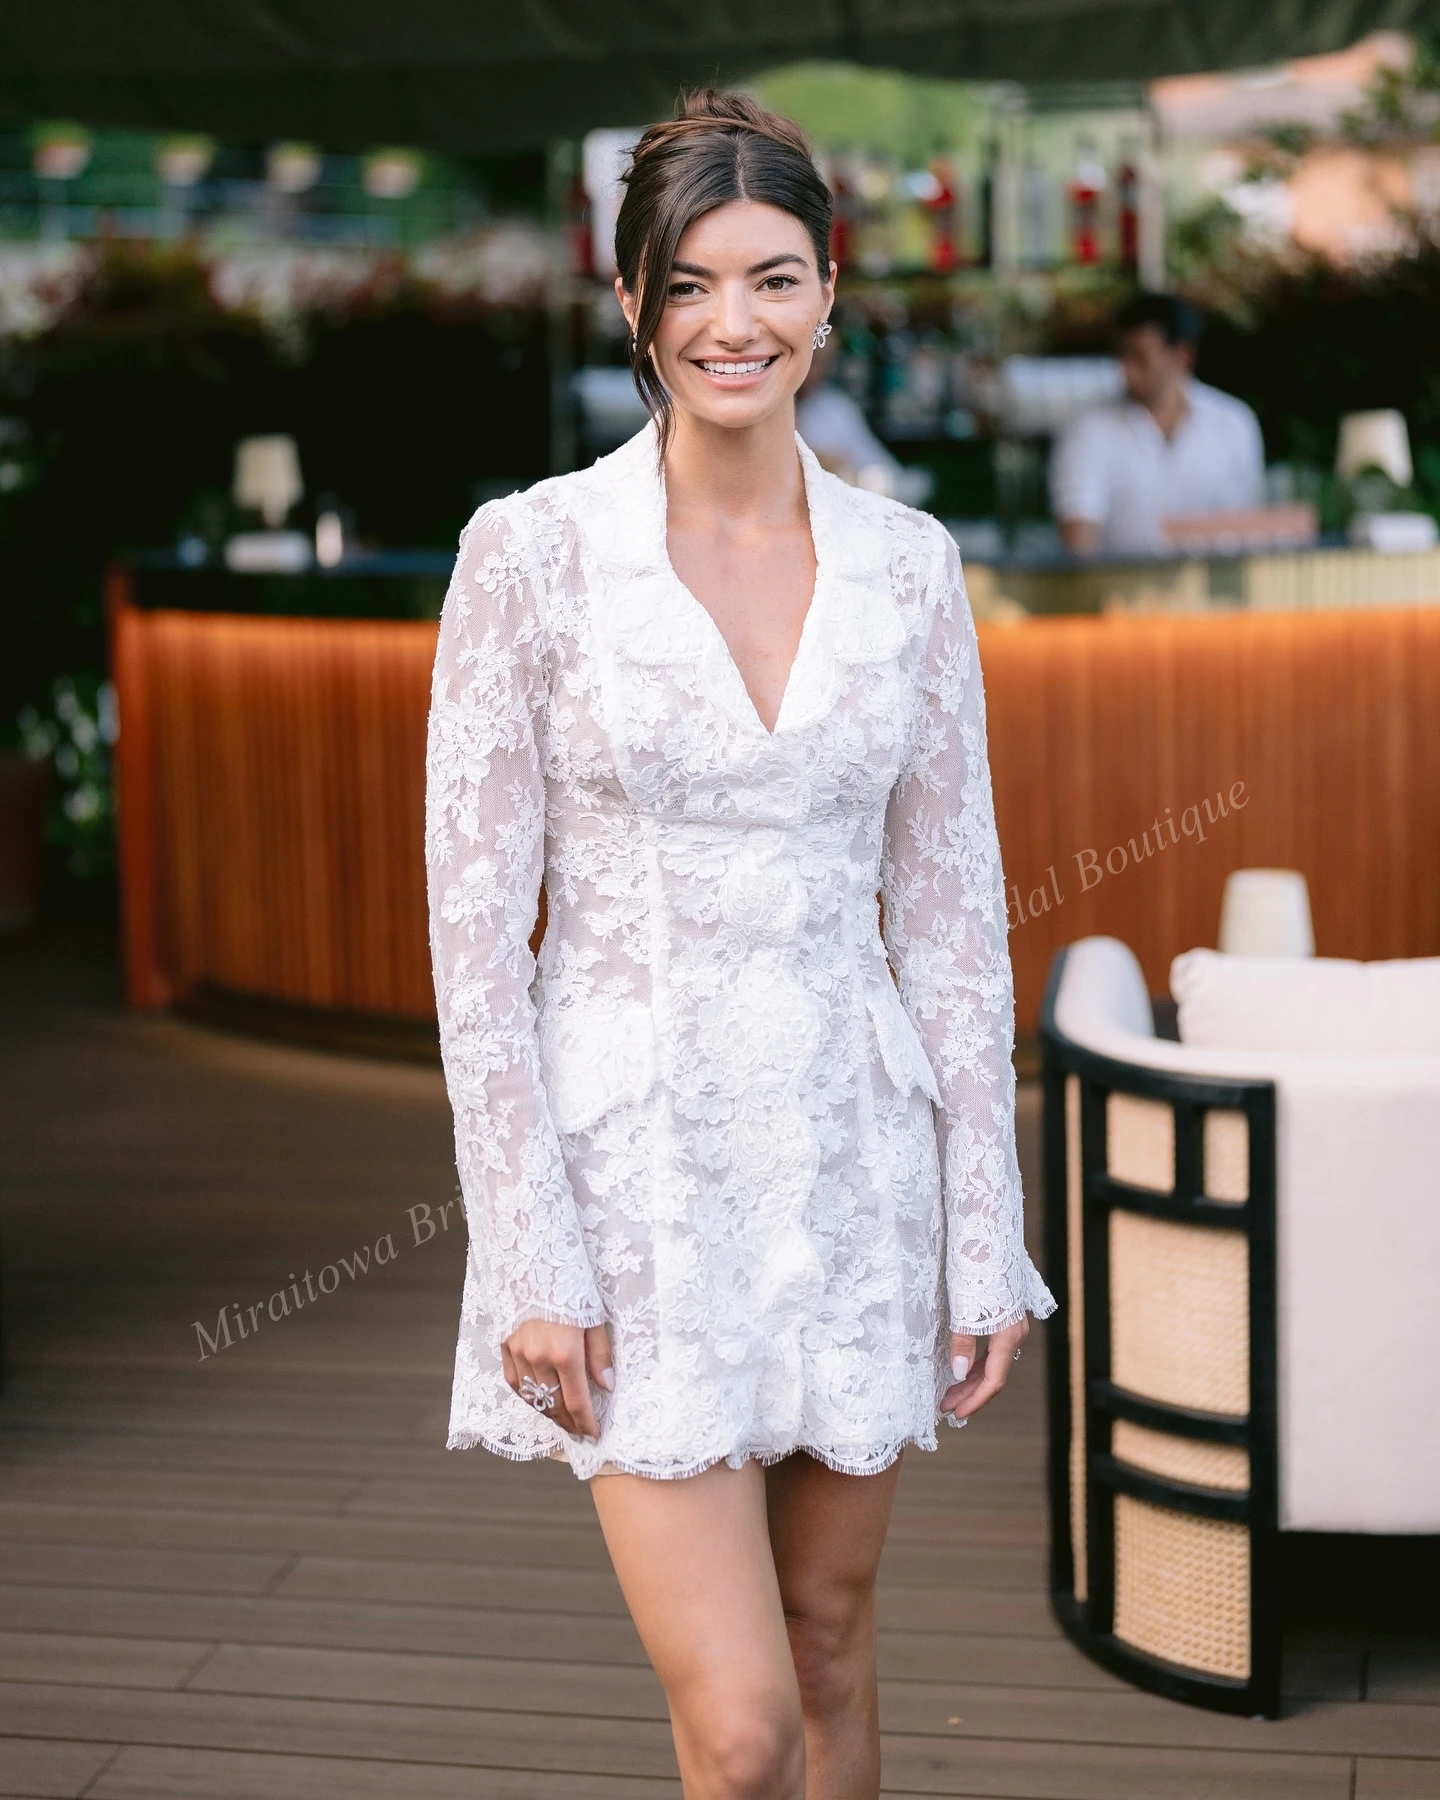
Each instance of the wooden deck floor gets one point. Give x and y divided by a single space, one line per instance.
260 1574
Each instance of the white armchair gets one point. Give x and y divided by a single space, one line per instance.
1247 1245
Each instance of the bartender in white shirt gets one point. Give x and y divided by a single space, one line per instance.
1172 446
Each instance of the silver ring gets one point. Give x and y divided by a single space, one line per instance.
538 1394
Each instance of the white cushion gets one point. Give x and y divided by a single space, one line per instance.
1311 1004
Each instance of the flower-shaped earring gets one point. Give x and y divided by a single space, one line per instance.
822 331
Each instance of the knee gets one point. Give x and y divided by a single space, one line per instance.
833 1646
751 1752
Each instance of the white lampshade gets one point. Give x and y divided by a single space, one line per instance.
267 476
1374 440
1266 912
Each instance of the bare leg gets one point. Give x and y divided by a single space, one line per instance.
696 1568
827 1531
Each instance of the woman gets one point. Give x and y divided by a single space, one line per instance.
740 1209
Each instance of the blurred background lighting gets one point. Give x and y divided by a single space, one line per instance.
61 152
183 162
292 168
392 174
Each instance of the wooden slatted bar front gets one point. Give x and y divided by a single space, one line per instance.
272 791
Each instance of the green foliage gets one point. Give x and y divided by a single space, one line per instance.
1291 140
844 107
1306 344
118 427
75 735
1204 240
1403 103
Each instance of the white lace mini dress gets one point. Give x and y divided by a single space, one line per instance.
778 1162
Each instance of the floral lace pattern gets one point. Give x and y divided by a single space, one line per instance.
707 1115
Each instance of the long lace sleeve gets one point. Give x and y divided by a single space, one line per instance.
945 930
484 852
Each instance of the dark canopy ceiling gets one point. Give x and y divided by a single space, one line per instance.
473 75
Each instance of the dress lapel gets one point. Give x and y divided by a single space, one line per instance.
640 611
853 617
644 614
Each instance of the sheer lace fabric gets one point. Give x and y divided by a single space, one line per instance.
709 1116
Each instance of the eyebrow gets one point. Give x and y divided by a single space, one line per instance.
760 268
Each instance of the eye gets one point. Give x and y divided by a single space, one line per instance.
777 284
682 290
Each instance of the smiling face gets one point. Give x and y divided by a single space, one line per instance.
743 297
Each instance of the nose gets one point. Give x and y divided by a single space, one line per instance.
734 324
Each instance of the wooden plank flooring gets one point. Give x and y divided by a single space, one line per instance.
259 1576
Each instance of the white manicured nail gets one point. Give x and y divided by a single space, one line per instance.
960 1367
606 1378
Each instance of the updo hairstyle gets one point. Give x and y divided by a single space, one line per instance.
719 147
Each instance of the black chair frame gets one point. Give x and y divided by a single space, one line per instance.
1090 1623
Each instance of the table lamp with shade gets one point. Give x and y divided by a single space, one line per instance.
1374 440
1373 458
1266 912
267 476
268 481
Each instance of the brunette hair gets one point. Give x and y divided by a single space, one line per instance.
719 147
1177 321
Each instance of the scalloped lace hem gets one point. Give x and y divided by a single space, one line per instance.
875 1464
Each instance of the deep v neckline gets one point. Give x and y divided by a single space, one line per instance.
721 644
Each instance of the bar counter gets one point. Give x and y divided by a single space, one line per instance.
271 787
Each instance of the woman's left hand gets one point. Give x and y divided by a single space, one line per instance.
983 1376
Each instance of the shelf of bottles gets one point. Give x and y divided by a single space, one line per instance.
946 269
1011 213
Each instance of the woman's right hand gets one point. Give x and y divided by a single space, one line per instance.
567 1357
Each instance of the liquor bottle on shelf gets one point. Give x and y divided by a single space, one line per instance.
989 180
946 220
1039 224
912 228
840 176
1087 186
875 230
579 231
1128 178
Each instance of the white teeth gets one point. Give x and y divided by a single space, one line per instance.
735 368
